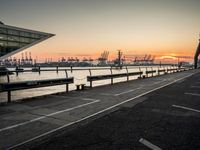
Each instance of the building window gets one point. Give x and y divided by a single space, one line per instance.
25 34
13 38
3 37
13 32
3 43
3 30
24 40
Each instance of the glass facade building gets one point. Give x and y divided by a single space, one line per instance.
14 39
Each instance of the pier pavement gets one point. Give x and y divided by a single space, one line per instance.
166 116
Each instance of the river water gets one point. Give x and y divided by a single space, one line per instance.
80 76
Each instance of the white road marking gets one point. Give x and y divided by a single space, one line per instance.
155 83
186 108
193 94
90 99
80 91
195 86
97 113
127 92
62 96
106 94
51 114
149 144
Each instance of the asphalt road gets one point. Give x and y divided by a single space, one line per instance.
136 114
167 118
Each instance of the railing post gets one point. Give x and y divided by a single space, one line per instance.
71 69
158 71
39 70
67 85
111 74
152 71
9 96
9 92
66 73
90 79
8 77
57 69
164 70
140 73
127 73
146 72
16 69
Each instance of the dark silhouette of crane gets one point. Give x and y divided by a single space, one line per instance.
103 58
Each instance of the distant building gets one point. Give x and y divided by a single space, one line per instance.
14 39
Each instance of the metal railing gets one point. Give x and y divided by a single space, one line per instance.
12 86
21 85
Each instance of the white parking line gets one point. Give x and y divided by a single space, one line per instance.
149 144
97 113
127 92
193 94
51 114
62 96
106 94
186 108
155 83
195 86
90 99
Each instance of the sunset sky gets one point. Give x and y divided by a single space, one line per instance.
165 28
